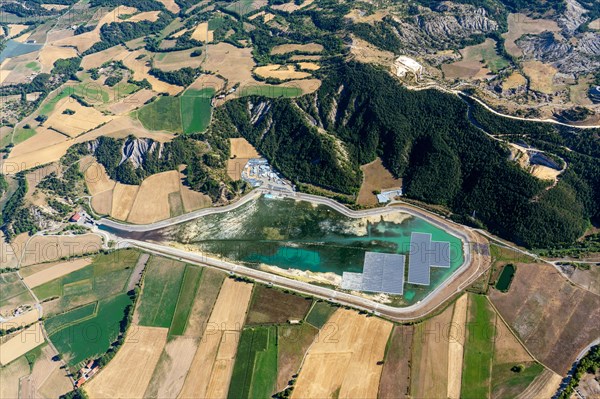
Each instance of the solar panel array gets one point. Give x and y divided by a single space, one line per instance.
381 273
425 254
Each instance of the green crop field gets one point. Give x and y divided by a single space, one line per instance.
106 276
92 336
160 292
255 370
270 305
162 114
63 320
23 134
196 109
271 91
50 102
319 314
479 349
191 279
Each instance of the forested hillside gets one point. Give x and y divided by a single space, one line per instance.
426 138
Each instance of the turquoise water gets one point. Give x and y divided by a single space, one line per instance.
300 235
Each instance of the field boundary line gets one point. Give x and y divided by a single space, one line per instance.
515 335
94 314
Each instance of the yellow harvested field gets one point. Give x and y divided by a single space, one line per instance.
541 76
56 384
127 104
375 177
268 17
281 72
140 72
49 54
429 368
208 82
16 29
305 58
102 203
129 373
241 152
56 271
22 320
171 6
152 200
343 362
10 377
3 75
180 33
521 24
241 148
311 66
202 34
96 59
43 139
54 6
123 199
151 16
174 60
544 386
595 24
24 341
84 118
86 40
193 200
234 64
173 366
506 347
514 81
42 249
310 48
22 38
96 179
455 348
292 6
211 369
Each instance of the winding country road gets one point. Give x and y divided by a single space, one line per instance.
473 266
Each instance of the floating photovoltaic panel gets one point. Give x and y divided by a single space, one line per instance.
425 254
418 259
381 273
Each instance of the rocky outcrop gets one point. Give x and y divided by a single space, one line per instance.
572 17
135 150
439 29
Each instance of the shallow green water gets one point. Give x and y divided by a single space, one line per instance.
300 235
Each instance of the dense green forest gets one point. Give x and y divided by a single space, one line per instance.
443 158
181 77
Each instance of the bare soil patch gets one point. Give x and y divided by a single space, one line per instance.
589 279
544 386
97 180
293 342
395 377
129 373
10 376
555 319
514 81
595 24
208 290
173 366
375 178
292 6
343 358
541 76
271 306
234 64
175 60
241 152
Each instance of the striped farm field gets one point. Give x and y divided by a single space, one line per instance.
191 280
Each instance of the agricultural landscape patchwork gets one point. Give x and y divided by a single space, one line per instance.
305 199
